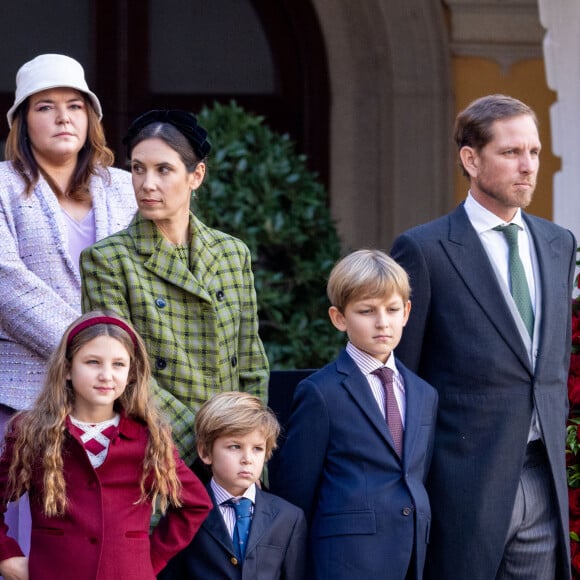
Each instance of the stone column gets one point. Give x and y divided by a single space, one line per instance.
561 19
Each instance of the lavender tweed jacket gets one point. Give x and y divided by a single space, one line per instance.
199 323
40 287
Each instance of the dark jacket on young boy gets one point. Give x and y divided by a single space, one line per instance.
367 509
276 546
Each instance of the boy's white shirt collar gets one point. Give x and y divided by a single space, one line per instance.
221 495
368 363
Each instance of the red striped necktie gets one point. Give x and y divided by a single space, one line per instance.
392 413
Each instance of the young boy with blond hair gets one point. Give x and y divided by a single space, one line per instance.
360 436
235 435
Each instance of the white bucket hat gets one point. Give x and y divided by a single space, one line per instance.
50 71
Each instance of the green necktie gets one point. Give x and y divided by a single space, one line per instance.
518 281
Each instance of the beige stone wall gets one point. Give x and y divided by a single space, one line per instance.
524 80
497 48
399 73
390 117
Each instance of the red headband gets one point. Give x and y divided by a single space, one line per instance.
101 320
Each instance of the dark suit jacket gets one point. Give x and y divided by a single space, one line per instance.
462 338
276 546
368 510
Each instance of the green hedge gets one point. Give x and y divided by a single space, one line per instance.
259 189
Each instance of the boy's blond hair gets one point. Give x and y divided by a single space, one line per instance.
366 274
235 414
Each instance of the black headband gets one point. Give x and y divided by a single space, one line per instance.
184 122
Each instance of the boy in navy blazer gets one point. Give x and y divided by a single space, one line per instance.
358 447
235 434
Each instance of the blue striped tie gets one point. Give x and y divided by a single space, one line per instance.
243 509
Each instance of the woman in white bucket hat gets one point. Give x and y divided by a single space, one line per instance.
58 194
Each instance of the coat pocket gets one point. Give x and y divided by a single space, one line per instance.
346 523
48 531
137 534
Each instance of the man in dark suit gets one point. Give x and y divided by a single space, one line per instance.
491 331
357 451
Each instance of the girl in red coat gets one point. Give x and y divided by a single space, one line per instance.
95 457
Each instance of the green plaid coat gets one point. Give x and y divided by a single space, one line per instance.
200 323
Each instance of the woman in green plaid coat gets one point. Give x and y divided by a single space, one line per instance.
187 289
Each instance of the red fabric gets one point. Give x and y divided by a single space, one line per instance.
105 534
95 447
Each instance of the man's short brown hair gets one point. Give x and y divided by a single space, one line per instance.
473 126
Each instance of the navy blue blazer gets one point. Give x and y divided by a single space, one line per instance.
462 338
276 546
367 509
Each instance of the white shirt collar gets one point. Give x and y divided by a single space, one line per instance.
367 363
483 220
222 495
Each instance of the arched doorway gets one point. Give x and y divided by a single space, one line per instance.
268 56
363 88
183 54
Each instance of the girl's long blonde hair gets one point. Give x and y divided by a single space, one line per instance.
40 433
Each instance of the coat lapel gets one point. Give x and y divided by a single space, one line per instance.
467 255
264 513
215 526
50 205
414 406
551 257
357 386
204 259
162 260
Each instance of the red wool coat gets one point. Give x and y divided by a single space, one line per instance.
105 533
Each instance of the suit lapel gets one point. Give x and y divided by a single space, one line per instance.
162 260
51 208
358 388
215 526
414 411
204 260
550 260
264 513
467 255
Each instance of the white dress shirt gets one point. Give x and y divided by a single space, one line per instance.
497 249
228 512
367 364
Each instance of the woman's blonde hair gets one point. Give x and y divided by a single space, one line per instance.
94 157
40 433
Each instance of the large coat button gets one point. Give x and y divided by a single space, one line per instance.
160 303
220 295
160 364
234 560
407 511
